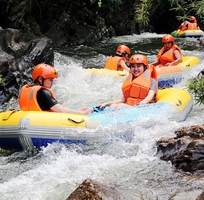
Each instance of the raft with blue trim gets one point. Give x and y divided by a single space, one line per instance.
30 130
188 33
167 75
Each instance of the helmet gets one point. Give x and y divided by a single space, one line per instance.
167 38
45 71
138 58
123 49
192 18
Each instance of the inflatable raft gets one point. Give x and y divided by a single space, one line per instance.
167 76
188 33
29 130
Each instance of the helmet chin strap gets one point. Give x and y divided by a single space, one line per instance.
43 81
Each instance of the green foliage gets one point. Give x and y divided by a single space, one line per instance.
144 9
187 8
196 87
99 3
142 12
146 12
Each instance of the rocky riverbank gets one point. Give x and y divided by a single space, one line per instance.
19 53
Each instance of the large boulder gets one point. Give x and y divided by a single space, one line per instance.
19 53
186 150
93 190
90 189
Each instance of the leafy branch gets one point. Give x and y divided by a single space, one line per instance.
142 12
196 87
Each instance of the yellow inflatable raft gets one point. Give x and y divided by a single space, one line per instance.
29 130
167 76
188 33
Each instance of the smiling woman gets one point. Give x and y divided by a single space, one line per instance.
140 87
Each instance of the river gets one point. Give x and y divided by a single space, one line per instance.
132 167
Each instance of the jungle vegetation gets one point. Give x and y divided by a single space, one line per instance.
146 13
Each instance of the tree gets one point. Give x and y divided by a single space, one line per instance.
187 8
145 10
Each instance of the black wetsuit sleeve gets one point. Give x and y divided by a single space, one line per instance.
45 99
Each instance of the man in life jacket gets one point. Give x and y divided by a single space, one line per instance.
170 54
40 97
140 87
191 24
118 60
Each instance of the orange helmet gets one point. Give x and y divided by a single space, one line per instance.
45 71
192 18
123 49
138 58
167 38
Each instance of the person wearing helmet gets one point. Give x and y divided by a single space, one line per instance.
118 60
140 87
192 19
40 97
170 54
191 24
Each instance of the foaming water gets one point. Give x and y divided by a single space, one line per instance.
77 88
133 167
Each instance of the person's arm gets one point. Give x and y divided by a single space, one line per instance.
178 59
152 92
60 108
123 65
155 63
121 100
148 98
47 102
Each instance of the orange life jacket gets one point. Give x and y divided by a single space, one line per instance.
28 97
168 56
113 63
192 26
183 26
136 90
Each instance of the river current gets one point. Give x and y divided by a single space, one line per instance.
132 167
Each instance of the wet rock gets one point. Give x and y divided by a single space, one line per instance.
92 190
194 194
200 74
201 196
19 53
186 150
201 41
